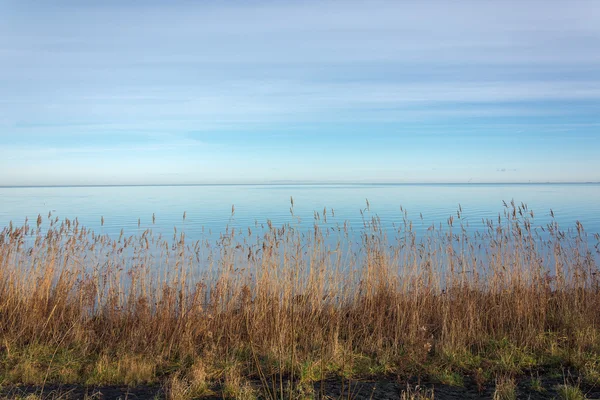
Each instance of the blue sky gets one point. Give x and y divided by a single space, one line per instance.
136 92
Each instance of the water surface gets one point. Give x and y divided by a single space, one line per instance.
208 208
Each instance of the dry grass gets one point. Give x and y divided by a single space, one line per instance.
506 389
290 304
417 394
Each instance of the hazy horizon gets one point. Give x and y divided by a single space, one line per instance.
304 183
129 93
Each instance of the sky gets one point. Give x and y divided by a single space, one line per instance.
182 92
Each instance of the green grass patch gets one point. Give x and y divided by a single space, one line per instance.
569 392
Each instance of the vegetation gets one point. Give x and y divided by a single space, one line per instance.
273 311
568 392
505 389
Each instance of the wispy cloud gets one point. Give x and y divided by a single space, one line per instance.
99 77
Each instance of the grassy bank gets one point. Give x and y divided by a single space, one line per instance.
284 307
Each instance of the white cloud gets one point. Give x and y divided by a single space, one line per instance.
146 75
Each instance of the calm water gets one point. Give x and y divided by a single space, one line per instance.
209 208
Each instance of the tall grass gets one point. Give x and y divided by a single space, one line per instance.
287 305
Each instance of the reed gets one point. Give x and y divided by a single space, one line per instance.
289 306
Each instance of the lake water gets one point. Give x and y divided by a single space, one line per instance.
208 208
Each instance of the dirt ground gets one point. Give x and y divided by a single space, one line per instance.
329 389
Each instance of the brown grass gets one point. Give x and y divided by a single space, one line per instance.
290 304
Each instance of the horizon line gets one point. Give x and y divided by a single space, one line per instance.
299 184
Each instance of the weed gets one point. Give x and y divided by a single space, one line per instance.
569 392
506 389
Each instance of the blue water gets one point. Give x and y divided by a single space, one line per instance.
209 208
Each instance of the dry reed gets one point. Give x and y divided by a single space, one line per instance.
285 305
